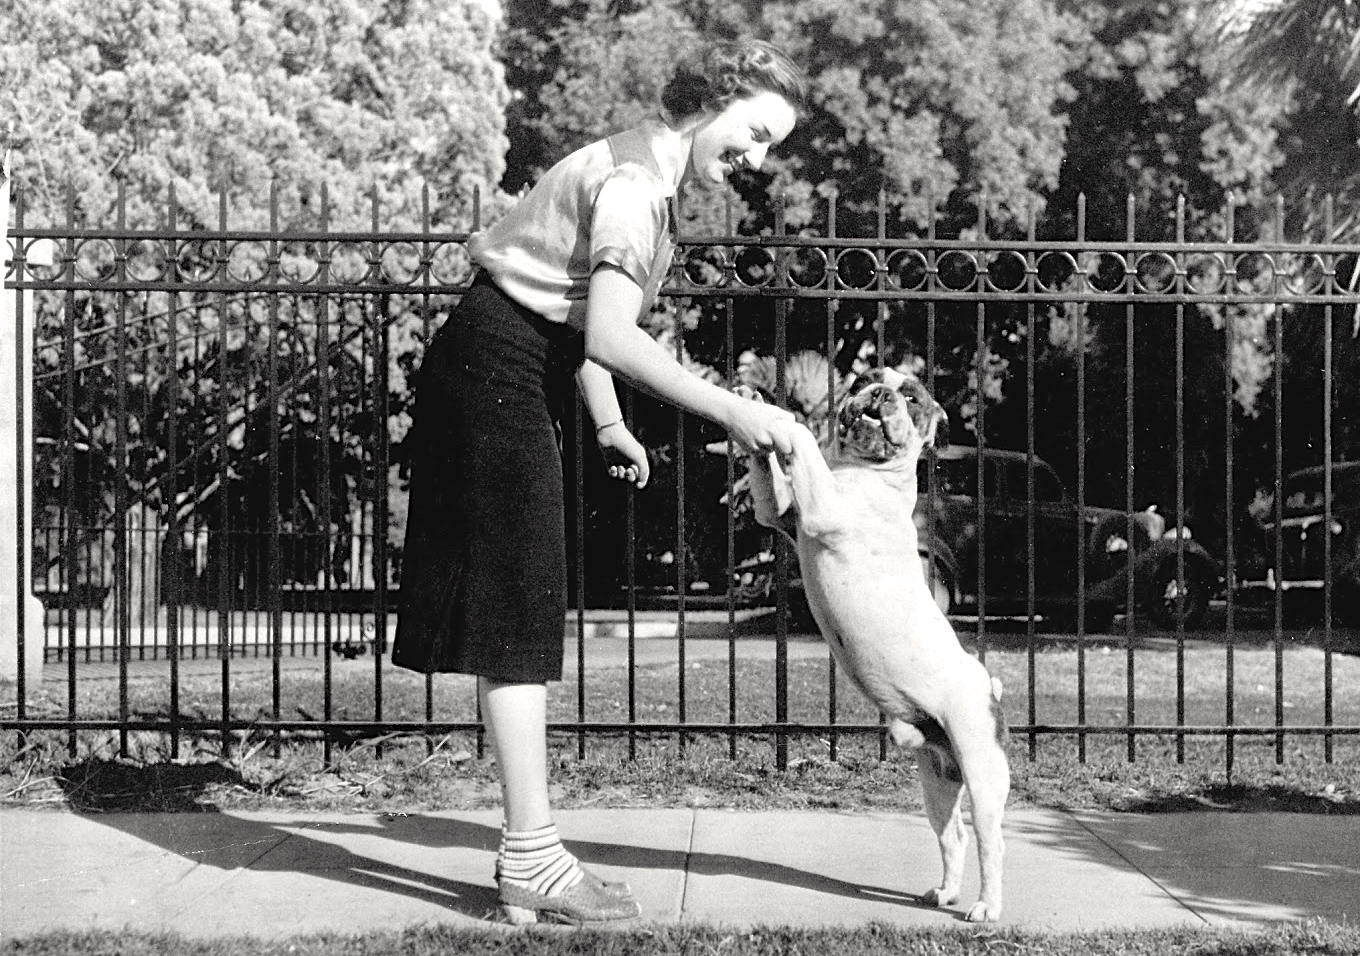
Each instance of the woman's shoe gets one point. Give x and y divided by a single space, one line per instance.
618 888
590 902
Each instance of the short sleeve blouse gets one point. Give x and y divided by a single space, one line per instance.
608 202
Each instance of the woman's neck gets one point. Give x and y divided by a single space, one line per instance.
675 143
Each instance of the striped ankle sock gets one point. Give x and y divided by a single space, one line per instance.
537 861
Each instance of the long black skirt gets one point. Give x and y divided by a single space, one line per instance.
484 577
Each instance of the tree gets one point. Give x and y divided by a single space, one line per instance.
235 99
215 96
935 101
1306 54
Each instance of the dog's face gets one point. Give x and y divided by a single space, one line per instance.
887 416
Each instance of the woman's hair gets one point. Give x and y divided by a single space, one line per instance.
728 70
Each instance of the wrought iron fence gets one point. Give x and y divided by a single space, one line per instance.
218 468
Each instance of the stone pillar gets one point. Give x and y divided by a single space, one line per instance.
16 471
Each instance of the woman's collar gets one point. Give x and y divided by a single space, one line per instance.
671 147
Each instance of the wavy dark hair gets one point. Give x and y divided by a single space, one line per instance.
729 69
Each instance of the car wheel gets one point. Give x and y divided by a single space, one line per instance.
1167 590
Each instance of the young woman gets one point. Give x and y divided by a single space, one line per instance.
563 279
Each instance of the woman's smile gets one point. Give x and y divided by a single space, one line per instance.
739 136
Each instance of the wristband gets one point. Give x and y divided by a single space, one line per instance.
600 428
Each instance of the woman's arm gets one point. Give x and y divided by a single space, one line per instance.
614 341
597 391
623 454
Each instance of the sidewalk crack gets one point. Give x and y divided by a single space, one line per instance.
689 857
1167 890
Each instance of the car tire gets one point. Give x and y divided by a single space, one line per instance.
1165 588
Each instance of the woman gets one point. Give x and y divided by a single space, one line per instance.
563 279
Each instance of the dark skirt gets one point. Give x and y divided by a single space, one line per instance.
484 576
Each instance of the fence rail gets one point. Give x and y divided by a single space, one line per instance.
219 468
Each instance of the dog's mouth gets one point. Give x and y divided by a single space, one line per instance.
887 419
876 423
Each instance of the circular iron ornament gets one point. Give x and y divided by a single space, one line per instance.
808 267
856 269
1154 272
1106 272
705 266
299 261
1006 270
450 264
1205 273
95 259
248 261
1055 271
755 266
199 259
958 270
44 250
908 270
1254 273
350 263
400 262
145 260
1304 274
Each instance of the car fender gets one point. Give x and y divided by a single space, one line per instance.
1161 553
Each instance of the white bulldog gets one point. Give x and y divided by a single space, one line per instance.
851 518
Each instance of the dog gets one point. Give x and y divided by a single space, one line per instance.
849 513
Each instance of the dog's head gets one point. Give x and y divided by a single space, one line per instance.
887 416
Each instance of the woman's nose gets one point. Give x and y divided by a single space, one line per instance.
755 156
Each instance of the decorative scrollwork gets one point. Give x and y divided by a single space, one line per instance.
856 269
754 266
450 264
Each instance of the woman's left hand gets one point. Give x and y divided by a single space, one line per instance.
624 456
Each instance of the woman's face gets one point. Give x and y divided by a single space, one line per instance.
739 136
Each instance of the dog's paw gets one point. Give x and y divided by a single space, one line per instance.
939 896
981 912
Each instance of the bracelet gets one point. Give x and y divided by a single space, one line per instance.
600 428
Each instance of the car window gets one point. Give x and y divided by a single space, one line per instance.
1303 493
1047 487
953 476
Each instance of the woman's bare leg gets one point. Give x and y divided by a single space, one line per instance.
516 717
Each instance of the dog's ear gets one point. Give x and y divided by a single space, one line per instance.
937 427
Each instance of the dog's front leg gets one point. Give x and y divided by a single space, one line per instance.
821 509
771 494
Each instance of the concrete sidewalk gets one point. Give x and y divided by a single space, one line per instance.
276 874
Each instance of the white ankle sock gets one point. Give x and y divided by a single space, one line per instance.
537 860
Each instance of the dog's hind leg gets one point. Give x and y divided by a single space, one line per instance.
987 774
942 789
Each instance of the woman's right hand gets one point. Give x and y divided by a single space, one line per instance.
761 428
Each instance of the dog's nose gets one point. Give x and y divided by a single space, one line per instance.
879 398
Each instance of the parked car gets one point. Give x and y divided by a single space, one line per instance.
1304 531
1102 540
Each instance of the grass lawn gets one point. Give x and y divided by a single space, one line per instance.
843 770
1315 938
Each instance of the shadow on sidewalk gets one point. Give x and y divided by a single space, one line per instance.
230 842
